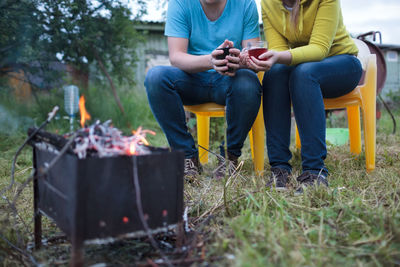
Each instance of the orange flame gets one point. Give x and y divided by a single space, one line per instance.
140 139
139 133
84 114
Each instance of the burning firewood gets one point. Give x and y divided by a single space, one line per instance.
100 140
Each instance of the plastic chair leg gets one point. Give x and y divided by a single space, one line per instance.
353 118
251 143
297 138
369 114
369 123
257 143
256 122
203 137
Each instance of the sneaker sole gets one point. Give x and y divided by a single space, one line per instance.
296 194
299 193
278 189
281 189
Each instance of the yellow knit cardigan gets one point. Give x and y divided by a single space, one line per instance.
320 31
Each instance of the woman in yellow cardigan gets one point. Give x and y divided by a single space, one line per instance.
311 56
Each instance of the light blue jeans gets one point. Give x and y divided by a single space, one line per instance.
304 86
169 88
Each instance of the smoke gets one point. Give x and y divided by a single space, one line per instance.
11 123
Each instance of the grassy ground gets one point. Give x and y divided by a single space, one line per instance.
356 222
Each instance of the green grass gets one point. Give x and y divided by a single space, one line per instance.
356 222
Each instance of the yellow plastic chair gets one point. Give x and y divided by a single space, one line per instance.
364 97
205 111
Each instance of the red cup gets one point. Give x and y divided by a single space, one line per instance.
255 49
256 52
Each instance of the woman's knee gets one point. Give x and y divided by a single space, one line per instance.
278 75
303 72
278 71
275 80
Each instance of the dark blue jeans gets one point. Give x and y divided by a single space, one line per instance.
169 88
304 86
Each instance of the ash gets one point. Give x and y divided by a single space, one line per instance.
104 140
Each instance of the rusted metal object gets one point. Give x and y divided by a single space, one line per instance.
380 58
381 70
93 199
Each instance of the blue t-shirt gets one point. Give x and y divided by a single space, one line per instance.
186 19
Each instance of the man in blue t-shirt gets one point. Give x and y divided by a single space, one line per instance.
195 29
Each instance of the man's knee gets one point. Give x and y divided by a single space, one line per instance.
246 83
154 77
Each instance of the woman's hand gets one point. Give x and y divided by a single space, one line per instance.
265 61
268 59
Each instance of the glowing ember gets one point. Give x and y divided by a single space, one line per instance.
103 140
84 114
132 148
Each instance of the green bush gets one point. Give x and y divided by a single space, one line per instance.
17 116
394 98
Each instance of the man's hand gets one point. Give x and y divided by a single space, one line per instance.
243 57
230 64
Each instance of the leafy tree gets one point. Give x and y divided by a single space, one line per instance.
75 32
20 32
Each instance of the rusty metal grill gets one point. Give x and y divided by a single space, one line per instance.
94 197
